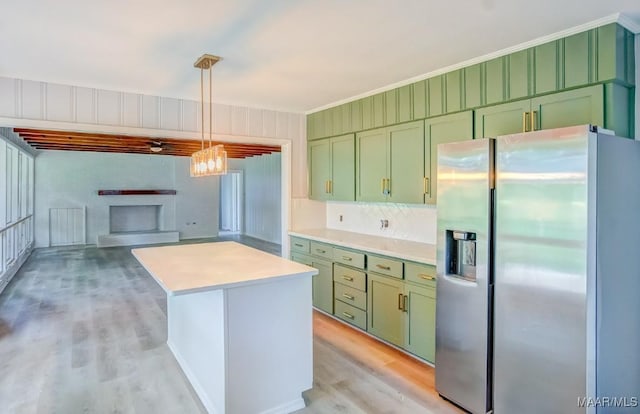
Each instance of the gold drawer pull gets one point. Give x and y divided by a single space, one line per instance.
347 278
298 245
345 295
383 267
347 258
321 251
426 277
348 315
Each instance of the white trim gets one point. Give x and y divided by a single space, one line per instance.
619 18
287 407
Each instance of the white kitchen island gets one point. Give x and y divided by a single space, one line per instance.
239 324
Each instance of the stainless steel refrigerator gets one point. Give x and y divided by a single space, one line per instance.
538 259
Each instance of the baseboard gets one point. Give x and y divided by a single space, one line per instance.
208 404
287 407
131 239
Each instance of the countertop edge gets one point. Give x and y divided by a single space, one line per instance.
356 246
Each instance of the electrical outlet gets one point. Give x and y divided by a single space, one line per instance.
340 218
384 223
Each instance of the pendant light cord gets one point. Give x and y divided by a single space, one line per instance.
210 105
202 106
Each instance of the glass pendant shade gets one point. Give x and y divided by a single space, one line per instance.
209 161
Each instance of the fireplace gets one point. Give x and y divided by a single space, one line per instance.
134 219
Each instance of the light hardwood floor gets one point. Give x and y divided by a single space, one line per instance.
83 330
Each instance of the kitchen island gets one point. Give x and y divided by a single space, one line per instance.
239 324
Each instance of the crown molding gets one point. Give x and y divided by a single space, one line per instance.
619 18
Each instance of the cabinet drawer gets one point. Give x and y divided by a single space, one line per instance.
384 266
321 250
351 296
302 258
422 274
355 259
299 245
350 277
351 314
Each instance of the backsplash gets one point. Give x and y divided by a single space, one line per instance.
307 214
405 221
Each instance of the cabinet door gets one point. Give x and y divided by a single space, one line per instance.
502 119
420 322
575 107
440 130
323 285
319 169
371 165
385 316
343 162
406 163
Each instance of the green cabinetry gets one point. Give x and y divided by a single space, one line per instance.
603 55
332 168
322 283
420 321
386 315
440 130
390 163
573 107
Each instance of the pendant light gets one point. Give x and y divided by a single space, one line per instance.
213 159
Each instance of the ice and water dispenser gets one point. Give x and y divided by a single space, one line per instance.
461 254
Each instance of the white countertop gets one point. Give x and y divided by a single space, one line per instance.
403 249
190 268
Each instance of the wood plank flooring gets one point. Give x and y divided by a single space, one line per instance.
83 330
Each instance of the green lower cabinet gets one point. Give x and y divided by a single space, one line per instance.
440 130
420 321
323 285
385 315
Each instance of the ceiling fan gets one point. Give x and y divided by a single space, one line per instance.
156 146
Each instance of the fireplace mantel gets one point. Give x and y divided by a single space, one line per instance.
136 192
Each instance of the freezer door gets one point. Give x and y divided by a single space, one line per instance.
463 290
540 272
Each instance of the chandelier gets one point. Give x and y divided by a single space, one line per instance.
213 159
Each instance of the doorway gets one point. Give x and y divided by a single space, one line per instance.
231 203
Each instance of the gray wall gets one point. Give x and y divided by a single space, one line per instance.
72 179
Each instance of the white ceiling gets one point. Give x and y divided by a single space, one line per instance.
290 55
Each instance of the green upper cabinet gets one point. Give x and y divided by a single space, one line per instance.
406 163
520 74
440 130
493 80
332 168
420 321
615 57
579 60
389 164
547 67
504 119
385 313
574 107
371 165
455 91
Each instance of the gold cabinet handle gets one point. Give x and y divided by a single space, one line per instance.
347 278
379 266
348 315
347 258
347 296
298 245
321 251
383 185
533 120
400 301
426 277
405 306
426 185
524 121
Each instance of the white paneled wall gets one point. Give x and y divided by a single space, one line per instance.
74 107
67 226
263 197
16 207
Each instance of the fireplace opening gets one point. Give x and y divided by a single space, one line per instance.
134 219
